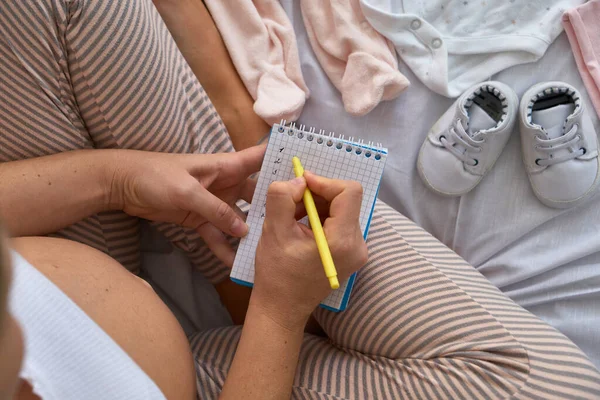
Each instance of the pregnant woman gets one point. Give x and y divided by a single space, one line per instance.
93 94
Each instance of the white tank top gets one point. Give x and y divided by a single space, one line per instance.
67 355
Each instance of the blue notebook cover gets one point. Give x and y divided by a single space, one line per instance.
327 155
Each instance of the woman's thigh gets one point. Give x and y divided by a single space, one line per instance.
78 74
124 306
421 324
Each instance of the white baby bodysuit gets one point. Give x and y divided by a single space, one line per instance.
453 44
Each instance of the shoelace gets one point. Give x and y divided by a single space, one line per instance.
461 144
548 146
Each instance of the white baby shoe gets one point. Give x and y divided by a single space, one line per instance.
466 141
559 143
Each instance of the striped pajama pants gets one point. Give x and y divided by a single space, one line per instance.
421 324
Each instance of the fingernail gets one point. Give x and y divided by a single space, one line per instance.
298 181
239 228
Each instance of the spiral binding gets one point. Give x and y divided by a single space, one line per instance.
369 149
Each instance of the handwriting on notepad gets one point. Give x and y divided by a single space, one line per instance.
274 172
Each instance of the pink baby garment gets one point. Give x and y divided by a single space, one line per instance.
582 25
358 60
262 45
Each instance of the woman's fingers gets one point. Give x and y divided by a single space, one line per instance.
217 243
239 212
345 197
343 226
247 189
322 208
249 159
197 199
230 170
231 167
282 198
213 237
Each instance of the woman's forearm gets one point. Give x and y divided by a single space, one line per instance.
200 43
42 195
265 360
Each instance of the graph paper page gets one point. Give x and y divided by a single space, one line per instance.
323 155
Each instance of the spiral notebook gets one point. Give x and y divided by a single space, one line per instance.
327 155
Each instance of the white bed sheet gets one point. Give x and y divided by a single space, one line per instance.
547 260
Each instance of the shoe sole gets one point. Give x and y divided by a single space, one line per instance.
570 203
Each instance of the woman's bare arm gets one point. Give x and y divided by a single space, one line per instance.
44 194
265 360
200 43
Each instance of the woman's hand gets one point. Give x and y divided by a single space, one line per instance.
195 191
290 281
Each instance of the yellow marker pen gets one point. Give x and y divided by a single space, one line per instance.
317 228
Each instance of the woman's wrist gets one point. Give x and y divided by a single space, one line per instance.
288 316
245 128
110 164
266 357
